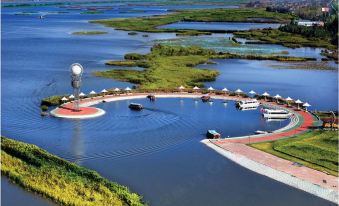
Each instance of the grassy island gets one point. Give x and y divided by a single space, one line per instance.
151 24
169 66
61 181
275 36
288 35
315 149
92 12
89 32
165 67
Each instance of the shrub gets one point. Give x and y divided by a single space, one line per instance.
44 108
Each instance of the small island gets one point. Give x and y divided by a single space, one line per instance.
89 32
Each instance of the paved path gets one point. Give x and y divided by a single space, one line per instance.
307 122
304 178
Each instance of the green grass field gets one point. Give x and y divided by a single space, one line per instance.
59 180
150 24
316 149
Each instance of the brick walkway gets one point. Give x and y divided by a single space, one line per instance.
301 172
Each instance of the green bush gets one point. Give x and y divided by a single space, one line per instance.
44 108
134 56
51 101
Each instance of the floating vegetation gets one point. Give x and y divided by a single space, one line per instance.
313 65
225 44
89 32
92 12
26 13
132 33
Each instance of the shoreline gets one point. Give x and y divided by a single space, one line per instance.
291 177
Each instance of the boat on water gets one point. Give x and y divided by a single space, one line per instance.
274 120
136 106
246 108
206 98
276 114
212 134
261 132
151 97
252 103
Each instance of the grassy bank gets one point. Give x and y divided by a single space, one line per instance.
89 32
275 36
316 149
150 24
61 181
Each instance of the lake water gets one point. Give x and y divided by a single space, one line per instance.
156 152
222 26
317 87
223 43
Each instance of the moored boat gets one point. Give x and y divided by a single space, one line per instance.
206 98
136 106
252 103
261 132
212 134
151 97
247 108
276 114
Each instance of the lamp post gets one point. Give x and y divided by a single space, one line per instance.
333 119
76 73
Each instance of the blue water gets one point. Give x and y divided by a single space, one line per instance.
318 88
223 26
156 152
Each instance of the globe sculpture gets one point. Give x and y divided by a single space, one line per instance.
76 73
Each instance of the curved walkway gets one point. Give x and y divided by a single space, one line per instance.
304 122
299 122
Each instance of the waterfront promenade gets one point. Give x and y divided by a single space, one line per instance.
235 148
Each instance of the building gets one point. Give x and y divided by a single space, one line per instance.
325 9
330 122
310 23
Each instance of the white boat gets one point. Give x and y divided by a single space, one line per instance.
275 120
276 114
247 108
252 103
261 132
